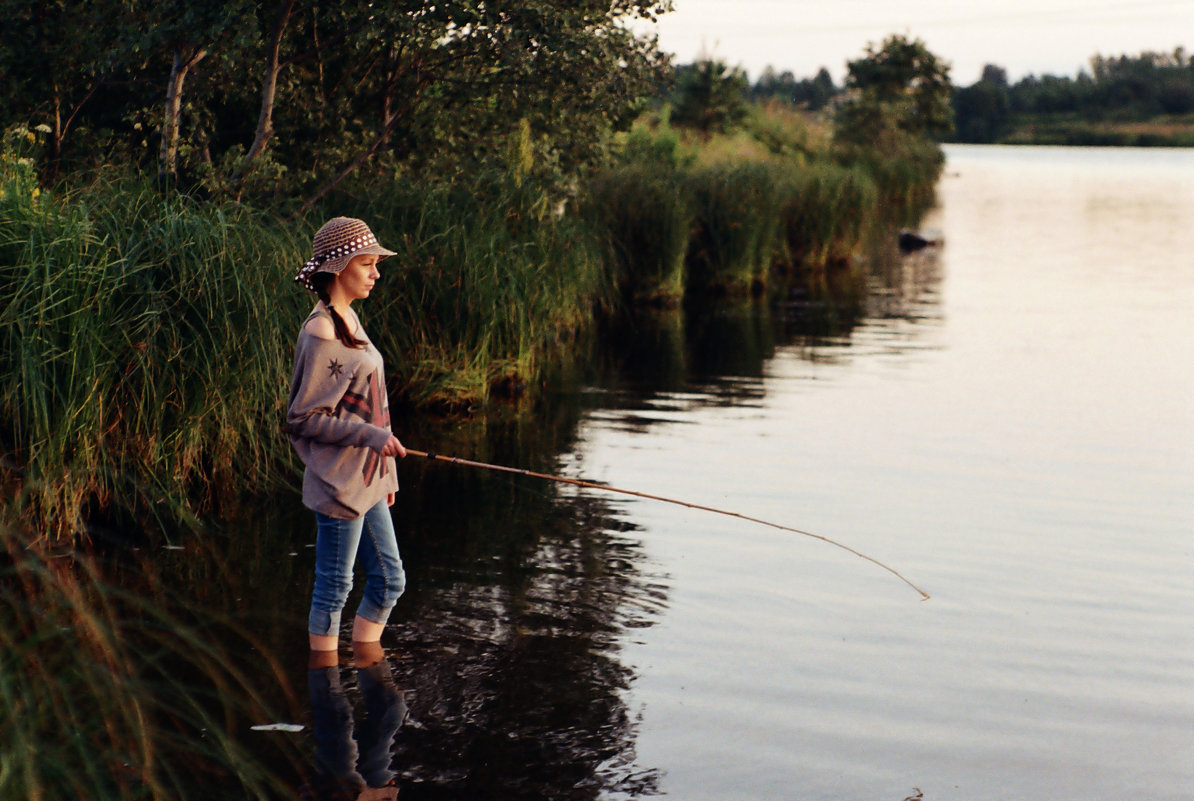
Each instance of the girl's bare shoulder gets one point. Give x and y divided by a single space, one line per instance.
320 326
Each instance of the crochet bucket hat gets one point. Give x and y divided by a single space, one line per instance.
335 244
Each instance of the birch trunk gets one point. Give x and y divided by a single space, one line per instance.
185 57
269 88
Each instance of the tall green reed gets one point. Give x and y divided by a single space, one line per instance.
491 274
787 131
143 349
735 227
824 212
906 177
643 213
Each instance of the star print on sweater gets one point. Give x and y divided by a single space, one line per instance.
335 368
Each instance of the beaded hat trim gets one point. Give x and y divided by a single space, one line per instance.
334 246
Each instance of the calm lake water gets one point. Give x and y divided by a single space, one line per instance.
1010 425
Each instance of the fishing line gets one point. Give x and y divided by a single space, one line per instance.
605 487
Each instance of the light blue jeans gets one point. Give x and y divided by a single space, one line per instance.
338 544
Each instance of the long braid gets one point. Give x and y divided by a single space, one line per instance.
321 283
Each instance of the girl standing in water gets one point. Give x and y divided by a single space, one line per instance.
338 419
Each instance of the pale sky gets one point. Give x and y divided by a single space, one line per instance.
1023 36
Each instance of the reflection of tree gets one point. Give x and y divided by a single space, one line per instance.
509 636
512 652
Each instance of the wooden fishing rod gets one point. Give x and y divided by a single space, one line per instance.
605 487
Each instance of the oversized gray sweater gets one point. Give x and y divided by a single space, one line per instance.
338 415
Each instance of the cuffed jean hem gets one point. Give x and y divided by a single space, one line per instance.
374 613
323 624
338 545
328 623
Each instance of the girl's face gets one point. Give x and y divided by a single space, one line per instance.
357 279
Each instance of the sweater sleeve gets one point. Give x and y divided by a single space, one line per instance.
321 377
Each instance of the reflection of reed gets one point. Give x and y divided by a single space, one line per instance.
659 361
663 358
110 688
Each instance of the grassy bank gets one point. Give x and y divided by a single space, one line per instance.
140 350
683 215
489 277
1062 129
147 338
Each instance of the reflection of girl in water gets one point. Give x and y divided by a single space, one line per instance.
338 418
354 765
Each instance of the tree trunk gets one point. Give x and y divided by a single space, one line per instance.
185 57
62 126
269 88
56 134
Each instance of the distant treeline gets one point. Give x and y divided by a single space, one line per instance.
813 93
1146 99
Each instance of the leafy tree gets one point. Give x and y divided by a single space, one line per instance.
55 56
1176 96
819 91
982 112
187 31
1046 94
897 88
771 85
710 97
994 75
444 87
289 97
